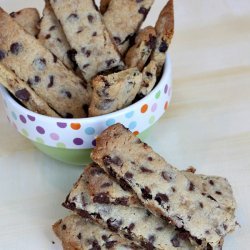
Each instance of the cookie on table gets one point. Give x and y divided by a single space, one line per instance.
77 233
46 75
29 19
123 19
104 190
138 55
86 33
52 37
149 78
162 189
24 93
104 4
134 224
165 31
114 91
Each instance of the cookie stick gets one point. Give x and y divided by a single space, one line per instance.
135 224
86 33
165 31
24 93
52 37
47 76
28 18
166 191
114 91
77 233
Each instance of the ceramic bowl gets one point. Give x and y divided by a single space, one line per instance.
71 140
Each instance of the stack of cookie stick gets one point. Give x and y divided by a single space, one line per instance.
133 192
80 60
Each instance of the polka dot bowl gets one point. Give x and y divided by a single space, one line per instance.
71 140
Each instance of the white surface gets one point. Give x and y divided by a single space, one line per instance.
207 126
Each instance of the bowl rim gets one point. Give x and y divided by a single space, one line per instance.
166 72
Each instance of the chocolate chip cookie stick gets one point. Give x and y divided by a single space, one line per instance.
24 93
86 33
162 189
46 75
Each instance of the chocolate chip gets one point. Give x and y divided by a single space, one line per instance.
90 18
105 238
163 47
211 198
147 245
34 81
139 1
159 228
110 244
54 58
150 158
39 64
64 227
143 11
211 182
225 226
218 192
72 17
146 193
166 176
2 55
101 198
117 40
128 236
59 40
173 189
108 160
16 48
146 170
13 14
114 224
68 115
52 28
149 75
47 36
161 198
80 31
88 53
96 171
79 236
175 241
151 43
94 34
85 66
23 95
191 186
51 81
207 232
95 245
66 93
110 62
151 238
71 55
201 204
128 175
121 201
124 185
106 184
112 173
131 227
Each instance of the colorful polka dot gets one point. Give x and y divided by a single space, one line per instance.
54 136
132 125
152 119
154 107
90 131
78 141
166 89
158 94
40 130
144 108
110 122
39 140
61 145
61 124
22 119
94 143
75 126
31 118
166 106
14 115
130 114
25 132
136 133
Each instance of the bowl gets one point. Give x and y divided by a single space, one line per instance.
71 140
